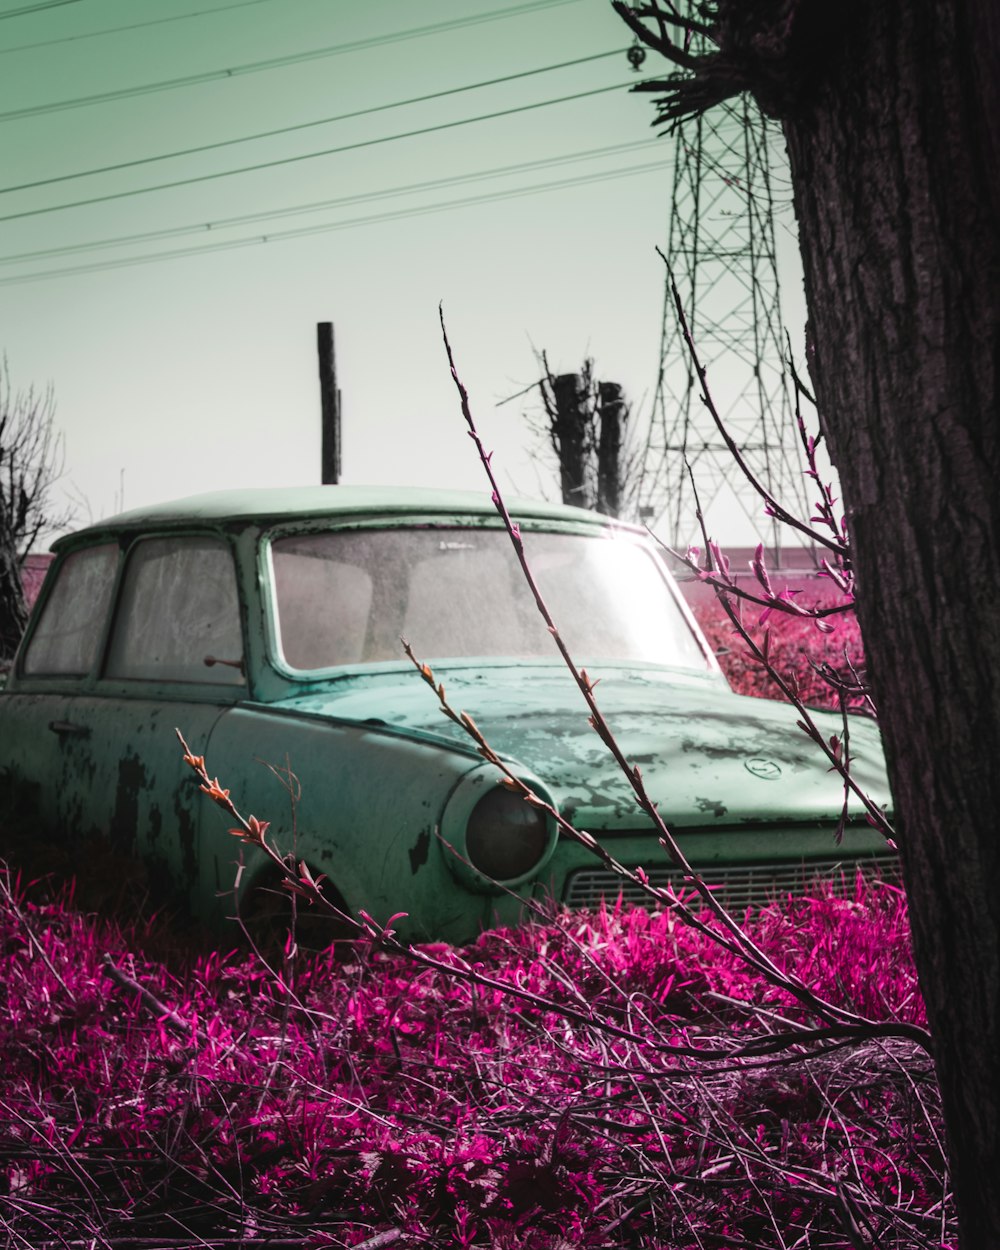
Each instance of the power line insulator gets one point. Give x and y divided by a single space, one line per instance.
636 56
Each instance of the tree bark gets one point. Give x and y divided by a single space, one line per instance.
612 414
571 431
895 157
13 612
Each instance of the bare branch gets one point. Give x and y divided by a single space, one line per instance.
31 462
734 933
662 41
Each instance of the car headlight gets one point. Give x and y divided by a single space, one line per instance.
506 838
498 839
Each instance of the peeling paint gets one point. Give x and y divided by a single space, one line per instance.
419 851
125 820
155 824
186 834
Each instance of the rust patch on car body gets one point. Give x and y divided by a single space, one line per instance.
125 820
186 831
419 851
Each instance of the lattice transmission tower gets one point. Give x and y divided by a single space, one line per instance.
721 252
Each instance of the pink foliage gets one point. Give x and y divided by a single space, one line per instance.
339 1100
366 1101
797 647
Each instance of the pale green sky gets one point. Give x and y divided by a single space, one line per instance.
197 371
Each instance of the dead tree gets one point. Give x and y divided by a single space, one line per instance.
612 416
30 465
586 426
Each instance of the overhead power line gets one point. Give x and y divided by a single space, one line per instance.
277 62
287 130
295 210
117 30
310 156
36 8
329 227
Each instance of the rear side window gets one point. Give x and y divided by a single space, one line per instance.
69 631
178 614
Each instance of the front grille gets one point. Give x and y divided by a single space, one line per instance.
737 886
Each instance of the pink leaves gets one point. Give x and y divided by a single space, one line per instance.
719 559
404 1097
306 886
797 646
255 831
215 792
760 570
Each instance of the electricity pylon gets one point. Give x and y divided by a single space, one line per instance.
721 253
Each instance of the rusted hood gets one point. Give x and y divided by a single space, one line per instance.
708 756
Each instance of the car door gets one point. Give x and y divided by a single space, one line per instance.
54 666
174 660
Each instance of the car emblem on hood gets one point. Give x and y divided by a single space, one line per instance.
767 770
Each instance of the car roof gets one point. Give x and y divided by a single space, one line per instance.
270 505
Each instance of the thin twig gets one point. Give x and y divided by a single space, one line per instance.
749 950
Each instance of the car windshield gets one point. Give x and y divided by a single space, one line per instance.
347 597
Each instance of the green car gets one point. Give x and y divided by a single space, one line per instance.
266 626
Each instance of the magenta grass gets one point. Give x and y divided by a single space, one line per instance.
353 1098
797 648
370 1102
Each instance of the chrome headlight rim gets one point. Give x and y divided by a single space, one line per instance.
471 790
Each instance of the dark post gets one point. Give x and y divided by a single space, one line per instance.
571 432
612 413
330 404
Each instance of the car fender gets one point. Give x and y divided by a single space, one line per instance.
358 804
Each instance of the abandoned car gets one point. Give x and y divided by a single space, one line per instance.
266 625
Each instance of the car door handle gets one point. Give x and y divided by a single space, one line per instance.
66 729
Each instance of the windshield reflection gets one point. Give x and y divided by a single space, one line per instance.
346 597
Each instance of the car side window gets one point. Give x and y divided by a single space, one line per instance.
324 604
69 630
178 614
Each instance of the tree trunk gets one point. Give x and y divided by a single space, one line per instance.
895 158
571 432
612 414
13 612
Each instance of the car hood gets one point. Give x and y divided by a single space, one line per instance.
708 756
